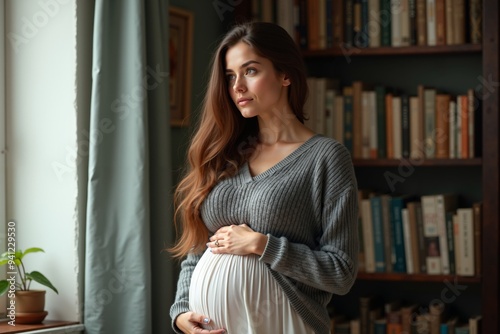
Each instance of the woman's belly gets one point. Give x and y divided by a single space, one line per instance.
239 294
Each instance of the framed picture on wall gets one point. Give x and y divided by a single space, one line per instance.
180 52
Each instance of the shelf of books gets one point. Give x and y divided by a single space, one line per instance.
411 88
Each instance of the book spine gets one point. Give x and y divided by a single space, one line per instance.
431 22
421 22
476 21
349 23
466 240
396 204
381 125
451 242
378 234
348 126
405 126
430 122
386 25
338 23
433 257
329 23
366 218
440 22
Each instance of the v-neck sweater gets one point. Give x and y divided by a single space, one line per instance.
307 205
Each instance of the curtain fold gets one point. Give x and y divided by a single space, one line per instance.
129 180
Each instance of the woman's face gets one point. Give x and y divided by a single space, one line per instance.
254 85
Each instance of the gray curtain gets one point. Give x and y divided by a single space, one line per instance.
128 210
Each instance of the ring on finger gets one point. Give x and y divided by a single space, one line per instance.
217 243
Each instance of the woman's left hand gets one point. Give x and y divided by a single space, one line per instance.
238 240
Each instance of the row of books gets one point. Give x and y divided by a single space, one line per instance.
394 318
429 234
378 122
322 24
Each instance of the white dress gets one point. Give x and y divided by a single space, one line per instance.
239 294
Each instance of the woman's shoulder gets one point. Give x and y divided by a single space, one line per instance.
327 147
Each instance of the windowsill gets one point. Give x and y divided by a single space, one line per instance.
46 327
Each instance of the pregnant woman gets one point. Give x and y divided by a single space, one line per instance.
268 209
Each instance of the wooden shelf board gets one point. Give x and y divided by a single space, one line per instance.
393 51
416 163
19 328
395 277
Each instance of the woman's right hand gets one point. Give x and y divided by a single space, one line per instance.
191 323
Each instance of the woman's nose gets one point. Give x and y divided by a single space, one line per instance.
239 85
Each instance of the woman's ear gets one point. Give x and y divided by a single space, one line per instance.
286 80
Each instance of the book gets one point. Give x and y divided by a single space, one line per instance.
348 118
355 326
374 23
436 313
389 126
407 317
386 25
397 203
396 23
416 130
394 325
442 131
366 305
444 203
357 112
338 23
405 126
466 241
431 235
397 133
477 219
431 22
368 241
429 103
459 20
380 326
414 236
421 22
404 18
450 241
440 22
378 233
475 21
475 324
407 241
380 92
348 23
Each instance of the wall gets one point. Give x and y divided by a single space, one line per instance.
41 141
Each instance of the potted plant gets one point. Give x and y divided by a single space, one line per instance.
26 305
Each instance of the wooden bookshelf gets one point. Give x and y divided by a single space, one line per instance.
416 162
416 278
394 51
485 286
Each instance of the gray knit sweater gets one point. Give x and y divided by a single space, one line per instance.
307 206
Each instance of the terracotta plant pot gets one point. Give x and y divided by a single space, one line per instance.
30 306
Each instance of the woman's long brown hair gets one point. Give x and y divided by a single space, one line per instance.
223 138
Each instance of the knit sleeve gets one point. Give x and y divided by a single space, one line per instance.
332 265
181 304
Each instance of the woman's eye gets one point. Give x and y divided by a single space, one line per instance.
251 71
230 77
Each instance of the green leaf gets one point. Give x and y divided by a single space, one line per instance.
6 255
32 250
4 261
4 286
39 278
